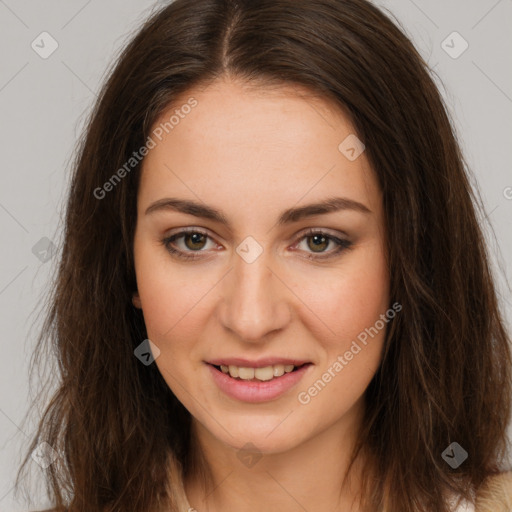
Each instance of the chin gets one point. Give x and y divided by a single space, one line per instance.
269 436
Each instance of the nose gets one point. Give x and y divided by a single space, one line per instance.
255 301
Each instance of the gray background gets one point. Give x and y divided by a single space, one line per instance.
44 103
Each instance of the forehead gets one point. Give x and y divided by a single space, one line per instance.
259 145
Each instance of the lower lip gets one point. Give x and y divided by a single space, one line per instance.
253 391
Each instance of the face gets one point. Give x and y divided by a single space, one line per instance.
251 281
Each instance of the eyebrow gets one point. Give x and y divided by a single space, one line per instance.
289 216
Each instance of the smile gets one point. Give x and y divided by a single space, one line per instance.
257 384
262 374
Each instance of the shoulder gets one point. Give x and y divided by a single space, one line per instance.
495 494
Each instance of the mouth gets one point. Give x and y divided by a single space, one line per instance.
258 374
261 381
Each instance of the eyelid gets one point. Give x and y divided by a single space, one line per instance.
343 243
325 231
300 234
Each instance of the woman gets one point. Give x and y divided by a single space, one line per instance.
274 292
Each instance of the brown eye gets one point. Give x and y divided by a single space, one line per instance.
190 244
187 245
197 240
318 242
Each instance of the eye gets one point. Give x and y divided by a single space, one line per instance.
193 239
194 242
318 241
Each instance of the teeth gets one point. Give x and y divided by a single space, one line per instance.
245 373
265 373
278 370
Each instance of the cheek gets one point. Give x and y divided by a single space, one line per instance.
341 301
347 300
171 295
352 348
349 326
172 301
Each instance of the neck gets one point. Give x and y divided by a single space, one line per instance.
313 475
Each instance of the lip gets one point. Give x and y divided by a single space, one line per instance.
258 363
253 391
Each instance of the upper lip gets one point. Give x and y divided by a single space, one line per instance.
256 363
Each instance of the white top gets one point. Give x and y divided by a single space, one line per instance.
465 506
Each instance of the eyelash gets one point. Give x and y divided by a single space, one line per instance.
343 244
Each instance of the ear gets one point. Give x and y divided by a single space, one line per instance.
136 300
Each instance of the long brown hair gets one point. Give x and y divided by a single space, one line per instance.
445 374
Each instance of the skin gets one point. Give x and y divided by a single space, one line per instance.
253 152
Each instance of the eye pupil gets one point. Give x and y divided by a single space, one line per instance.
318 239
196 239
